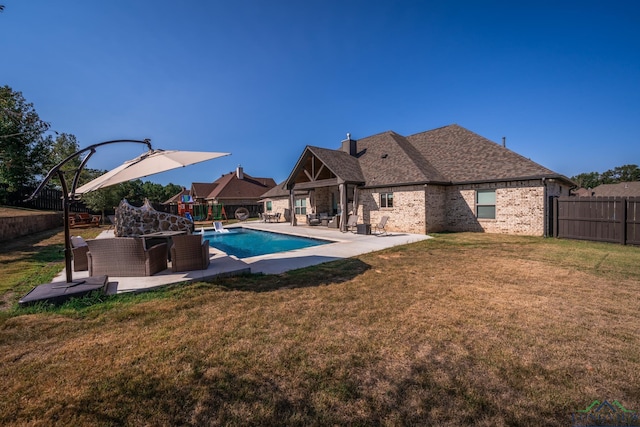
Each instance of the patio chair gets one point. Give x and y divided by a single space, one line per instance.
352 223
312 219
217 225
189 252
125 257
79 251
379 229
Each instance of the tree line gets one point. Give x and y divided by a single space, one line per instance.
625 173
29 149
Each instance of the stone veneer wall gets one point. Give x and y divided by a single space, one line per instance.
408 213
324 199
519 208
278 206
421 209
436 208
133 221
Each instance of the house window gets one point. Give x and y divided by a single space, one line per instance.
301 206
269 206
486 204
386 200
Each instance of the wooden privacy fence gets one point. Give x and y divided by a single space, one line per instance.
602 219
48 199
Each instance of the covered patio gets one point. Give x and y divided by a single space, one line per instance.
324 183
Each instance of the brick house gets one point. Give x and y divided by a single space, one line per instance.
233 190
620 189
445 179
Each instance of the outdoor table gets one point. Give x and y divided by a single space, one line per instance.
162 237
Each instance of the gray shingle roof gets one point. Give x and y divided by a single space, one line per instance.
621 189
388 158
340 163
447 155
463 156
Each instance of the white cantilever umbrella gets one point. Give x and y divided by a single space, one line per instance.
149 163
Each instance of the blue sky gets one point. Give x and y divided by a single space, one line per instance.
262 79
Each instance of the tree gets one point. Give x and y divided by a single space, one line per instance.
625 173
23 149
108 198
58 150
170 190
102 200
158 193
587 180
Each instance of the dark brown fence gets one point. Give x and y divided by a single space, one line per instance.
602 219
47 199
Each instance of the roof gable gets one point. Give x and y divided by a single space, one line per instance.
321 164
200 190
178 197
229 186
389 158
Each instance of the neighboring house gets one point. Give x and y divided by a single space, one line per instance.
178 198
621 189
446 179
232 190
239 188
581 192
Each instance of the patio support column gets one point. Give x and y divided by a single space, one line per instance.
292 206
343 206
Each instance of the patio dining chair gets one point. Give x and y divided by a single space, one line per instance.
189 252
379 229
352 223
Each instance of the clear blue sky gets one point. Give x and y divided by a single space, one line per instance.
262 79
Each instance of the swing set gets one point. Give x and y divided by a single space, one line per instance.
202 212
217 212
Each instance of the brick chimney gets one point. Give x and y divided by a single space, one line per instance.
350 146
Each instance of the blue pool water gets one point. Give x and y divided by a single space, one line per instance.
245 243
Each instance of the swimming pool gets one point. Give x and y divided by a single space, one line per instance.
245 243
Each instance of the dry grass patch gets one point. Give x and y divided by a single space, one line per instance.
32 260
464 329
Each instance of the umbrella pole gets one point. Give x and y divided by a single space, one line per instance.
67 232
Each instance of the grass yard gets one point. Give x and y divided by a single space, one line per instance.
463 329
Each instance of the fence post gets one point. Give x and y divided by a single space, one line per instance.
623 238
554 219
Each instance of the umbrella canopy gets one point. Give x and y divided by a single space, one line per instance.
149 163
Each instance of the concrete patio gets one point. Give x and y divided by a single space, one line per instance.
345 245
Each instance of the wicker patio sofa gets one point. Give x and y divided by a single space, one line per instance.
125 257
